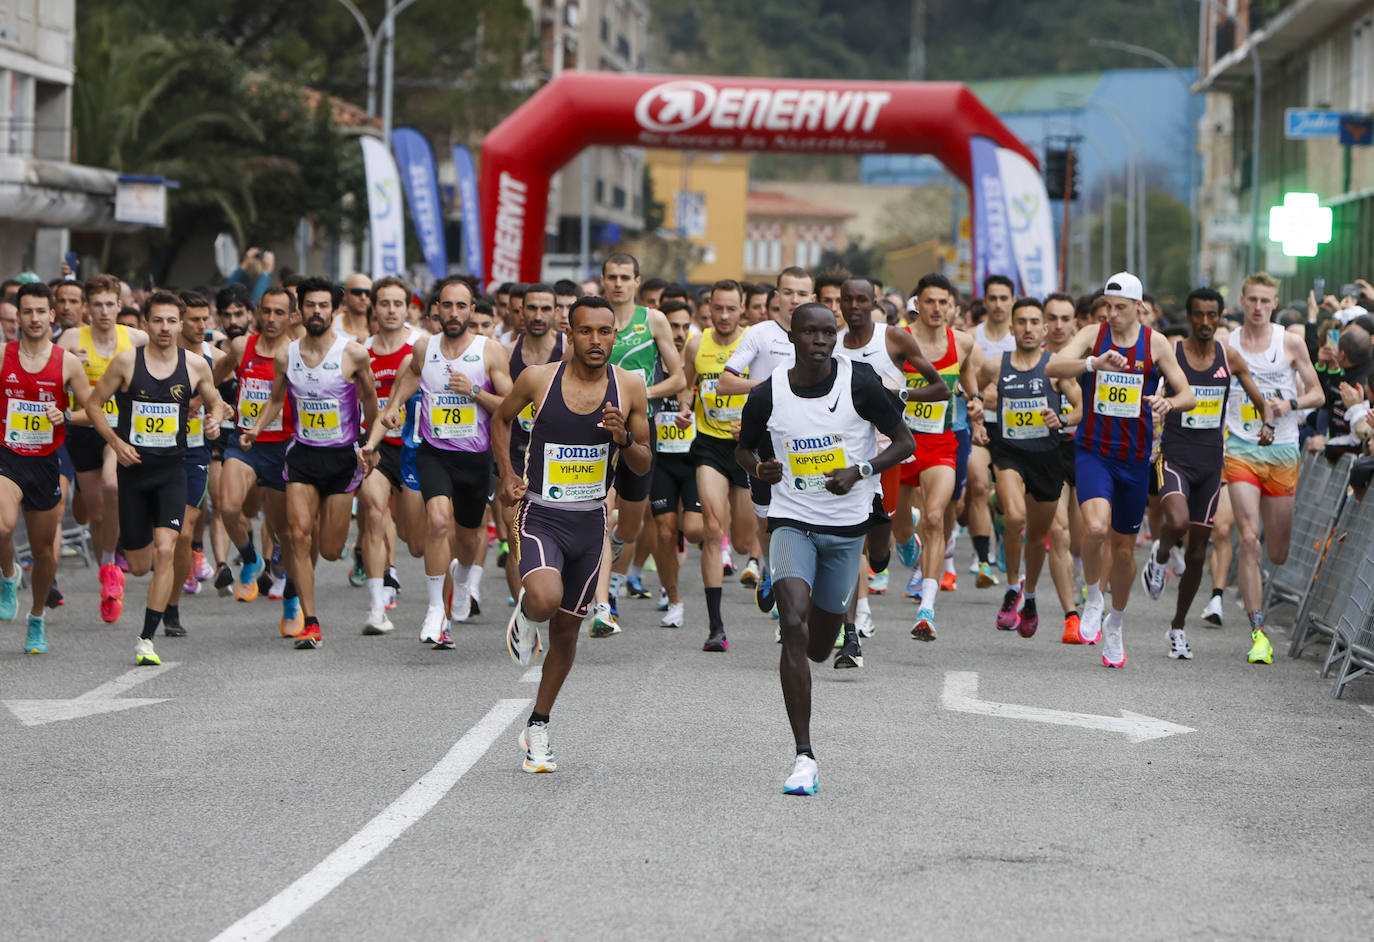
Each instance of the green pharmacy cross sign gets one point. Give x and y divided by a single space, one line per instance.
1300 224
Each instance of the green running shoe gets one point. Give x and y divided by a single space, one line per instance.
1261 651
37 641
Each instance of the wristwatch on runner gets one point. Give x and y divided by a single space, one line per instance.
865 469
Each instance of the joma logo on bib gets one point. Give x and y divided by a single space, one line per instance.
576 453
811 444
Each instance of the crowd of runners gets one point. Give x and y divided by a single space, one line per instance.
816 440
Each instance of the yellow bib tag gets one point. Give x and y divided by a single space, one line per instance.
1118 394
810 459
451 416
668 438
1023 418
26 423
155 424
575 472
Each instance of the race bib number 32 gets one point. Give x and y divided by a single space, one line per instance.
1024 418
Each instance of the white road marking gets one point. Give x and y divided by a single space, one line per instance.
533 675
93 702
1367 709
394 820
961 695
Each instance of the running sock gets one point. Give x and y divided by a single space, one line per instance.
878 564
804 749
248 552
1028 597
461 574
1115 618
537 717
288 590
861 607
713 608
435 585
173 615
197 546
311 620
1256 619
1094 595
1216 593
376 590
107 559
635 572
929 589
980 546
150 621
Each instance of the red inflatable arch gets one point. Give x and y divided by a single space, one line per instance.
585 109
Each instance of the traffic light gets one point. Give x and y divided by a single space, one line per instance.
1061 173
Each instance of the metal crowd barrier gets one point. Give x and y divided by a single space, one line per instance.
1354 635
1321 491
1321 609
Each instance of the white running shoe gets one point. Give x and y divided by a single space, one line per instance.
603 622
433 626
863 623
1153 573
377 623
534 739
1113 648
522 635
1177 561
662 599
144 655
1090 626
1178 645
673 618
805 777
459 602
1211 614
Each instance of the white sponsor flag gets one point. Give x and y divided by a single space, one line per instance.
388 234
1032 227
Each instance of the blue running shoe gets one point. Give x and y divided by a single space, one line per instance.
908 551
9 597
924 629
913 585
37 641
634 586
763 591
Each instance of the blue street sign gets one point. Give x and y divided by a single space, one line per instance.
1357 131
1301 124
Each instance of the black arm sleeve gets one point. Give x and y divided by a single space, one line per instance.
758 409
872 400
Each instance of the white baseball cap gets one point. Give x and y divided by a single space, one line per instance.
1346 315
1124 285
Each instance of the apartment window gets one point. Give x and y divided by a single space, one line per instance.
605 30
750 254
601 191
1361 72
618 197
622 48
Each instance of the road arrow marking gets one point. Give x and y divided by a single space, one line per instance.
961 695
100 700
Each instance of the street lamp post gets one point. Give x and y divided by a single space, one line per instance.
385 32
1193 236
1106 211
1135 180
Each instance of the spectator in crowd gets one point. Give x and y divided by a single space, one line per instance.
9 320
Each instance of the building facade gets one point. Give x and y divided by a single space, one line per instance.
1313 55
43 195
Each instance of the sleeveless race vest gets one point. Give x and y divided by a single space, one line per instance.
1276 379
874 353
811 438
1197 434
571 458
714 413
1021 395
520 428
635 349
255 373
933 418
195 422
384 369
24 399
153 412
96 365
448 420
326 404
1116 423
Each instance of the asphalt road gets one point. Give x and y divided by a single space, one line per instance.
372 789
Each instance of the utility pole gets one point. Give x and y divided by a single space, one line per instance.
916 53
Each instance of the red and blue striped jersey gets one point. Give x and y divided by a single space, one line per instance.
1122 438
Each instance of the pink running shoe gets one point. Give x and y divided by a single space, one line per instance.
111 582
1007 616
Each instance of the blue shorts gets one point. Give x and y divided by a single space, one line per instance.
65 468
1123 484
409 475
267 459
964 436
828 564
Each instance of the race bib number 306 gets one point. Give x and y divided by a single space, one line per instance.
668 438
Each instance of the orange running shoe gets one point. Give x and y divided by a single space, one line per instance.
948 582
292 622
110 610
1071 633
